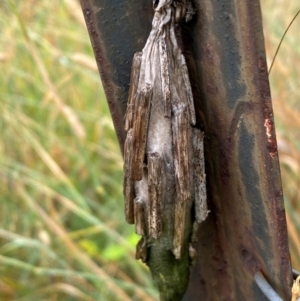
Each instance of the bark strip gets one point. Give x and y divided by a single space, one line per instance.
140 130
139 217
155 193
199 176
179 228
134 80
165 77
128 190
180 128
188 89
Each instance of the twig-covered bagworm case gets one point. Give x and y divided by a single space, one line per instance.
164 174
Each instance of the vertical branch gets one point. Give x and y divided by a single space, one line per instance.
128 189
140 130
155 193
134 79
199 176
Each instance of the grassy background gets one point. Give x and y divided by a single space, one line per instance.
62 230
285 83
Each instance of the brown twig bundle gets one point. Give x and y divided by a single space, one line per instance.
164 182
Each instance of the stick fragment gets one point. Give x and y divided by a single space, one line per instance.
165 77
180 128
134 79
139 217
179 223
199 176
140 130
155 194
188 89
128 189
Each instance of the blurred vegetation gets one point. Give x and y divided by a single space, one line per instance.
62 231
285 83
